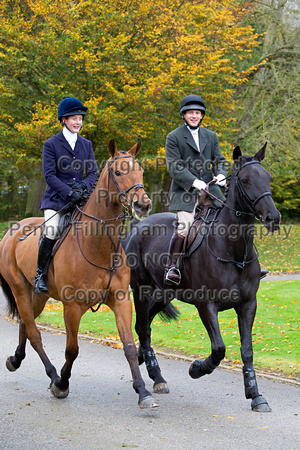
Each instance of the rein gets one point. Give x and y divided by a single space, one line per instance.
123 216
251 205
239 264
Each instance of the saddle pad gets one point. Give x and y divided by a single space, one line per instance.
65 224
199 229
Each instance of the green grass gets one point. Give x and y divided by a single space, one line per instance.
276 337
280 251
3 228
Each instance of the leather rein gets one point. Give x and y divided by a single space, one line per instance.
126 204
250 205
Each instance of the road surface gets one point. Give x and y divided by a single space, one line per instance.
101 411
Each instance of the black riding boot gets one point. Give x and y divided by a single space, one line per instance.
45 250
172 273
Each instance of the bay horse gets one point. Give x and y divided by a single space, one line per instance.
83 271
221 273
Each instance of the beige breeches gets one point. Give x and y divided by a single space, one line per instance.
185 220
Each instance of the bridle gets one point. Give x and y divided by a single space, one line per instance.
123 196
125 204
251 206
245 197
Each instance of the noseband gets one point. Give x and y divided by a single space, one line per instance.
136 186
250 203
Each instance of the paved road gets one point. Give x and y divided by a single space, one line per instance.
101 411
282 277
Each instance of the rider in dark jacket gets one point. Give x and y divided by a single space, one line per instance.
193 157
66 158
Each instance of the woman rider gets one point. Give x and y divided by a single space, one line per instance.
66 158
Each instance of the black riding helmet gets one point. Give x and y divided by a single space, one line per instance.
70 106
192 102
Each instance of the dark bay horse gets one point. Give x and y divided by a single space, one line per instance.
83 272
222 273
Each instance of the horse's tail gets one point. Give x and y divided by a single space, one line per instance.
12 308
169 313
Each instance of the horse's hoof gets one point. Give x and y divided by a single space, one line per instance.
59 393
161 388
260 404
195 370
10 365
148 402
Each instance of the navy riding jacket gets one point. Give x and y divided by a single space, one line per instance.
62 165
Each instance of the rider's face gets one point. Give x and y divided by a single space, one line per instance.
192 117
74 123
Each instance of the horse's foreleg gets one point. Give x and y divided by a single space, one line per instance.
14 362
123 315
72 315
146 353
246 314
209 316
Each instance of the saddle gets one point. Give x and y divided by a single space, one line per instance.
206 212
65 223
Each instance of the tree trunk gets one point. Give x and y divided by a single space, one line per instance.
158 184
36 189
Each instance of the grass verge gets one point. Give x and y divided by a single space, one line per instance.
276 337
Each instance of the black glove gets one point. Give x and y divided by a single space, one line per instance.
78 186
74 197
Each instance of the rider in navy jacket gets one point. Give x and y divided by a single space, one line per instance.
67 157
62 165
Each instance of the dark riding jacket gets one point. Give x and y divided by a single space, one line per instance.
62 165
186 164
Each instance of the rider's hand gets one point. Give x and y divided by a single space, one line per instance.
74 197
78 186
220 180
199 184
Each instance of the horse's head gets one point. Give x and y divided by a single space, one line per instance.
125 180
252 182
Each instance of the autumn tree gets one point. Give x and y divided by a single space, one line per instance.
129 62
270 100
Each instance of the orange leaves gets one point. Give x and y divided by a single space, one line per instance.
129 63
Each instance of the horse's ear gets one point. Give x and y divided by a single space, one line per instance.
261 153
136 148
237 153
112 148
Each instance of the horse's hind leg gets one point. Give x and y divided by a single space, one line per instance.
27 313
146 353
14 362
246 314
123 315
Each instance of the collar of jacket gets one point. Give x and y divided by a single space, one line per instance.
191 142
66 144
